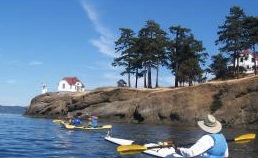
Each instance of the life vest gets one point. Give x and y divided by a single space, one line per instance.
219 148
76 122
94 122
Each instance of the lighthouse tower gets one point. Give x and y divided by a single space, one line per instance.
44 88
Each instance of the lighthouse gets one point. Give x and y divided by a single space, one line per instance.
44 88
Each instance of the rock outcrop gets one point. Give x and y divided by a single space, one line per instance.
234 103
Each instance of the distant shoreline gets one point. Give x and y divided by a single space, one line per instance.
12 109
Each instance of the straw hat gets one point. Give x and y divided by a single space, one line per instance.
210 124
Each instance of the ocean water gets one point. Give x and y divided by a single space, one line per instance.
22 137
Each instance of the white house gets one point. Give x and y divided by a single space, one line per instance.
70 84
247 60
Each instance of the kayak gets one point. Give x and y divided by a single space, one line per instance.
68 126
156 152
57 121
84 127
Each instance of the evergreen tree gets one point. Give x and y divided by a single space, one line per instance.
251 28
124 45
185 55
232 36
137 61
219 66
175 47
152 47
190 70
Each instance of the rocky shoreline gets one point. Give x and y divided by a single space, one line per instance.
234 103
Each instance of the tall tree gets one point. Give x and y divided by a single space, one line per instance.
193 56
251 28
183 49
219 66
160 52
232 36
190 70
152 46
175 48
124 45
137 61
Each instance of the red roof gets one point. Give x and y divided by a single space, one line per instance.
71 80
246 51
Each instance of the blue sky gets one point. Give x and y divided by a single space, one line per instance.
42 41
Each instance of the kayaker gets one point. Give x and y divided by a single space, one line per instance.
69 120
76 121
89 122
211 145
93 121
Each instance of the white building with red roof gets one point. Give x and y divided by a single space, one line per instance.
70 84
247 60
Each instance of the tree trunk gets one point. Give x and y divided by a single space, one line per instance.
234 64
254 56
237 66
129 79
157 77
190 81
136 78
149 75
176 77
145 84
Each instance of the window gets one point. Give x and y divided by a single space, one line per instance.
253 60
63 86
241 60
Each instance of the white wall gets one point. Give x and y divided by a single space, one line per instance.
64 86
246 62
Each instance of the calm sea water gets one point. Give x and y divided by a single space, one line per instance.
33 137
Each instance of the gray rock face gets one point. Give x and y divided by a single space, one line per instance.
234 103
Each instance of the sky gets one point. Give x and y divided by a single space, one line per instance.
42 41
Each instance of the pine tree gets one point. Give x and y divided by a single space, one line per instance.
152 47
124 45
219 66
232 36
251 29
185 55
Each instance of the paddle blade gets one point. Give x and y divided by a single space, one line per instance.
129 152
57 121
243 141
250 136
131 149
69 126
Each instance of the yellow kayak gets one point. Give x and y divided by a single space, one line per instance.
85 127
58 121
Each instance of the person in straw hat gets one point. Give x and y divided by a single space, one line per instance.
212 145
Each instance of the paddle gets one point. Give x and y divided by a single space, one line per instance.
69 126
134 148
57 121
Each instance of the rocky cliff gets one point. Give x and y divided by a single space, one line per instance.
234 103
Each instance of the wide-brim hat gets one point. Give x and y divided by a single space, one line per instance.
210 124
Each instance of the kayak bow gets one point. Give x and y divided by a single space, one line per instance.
149 149
127 146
